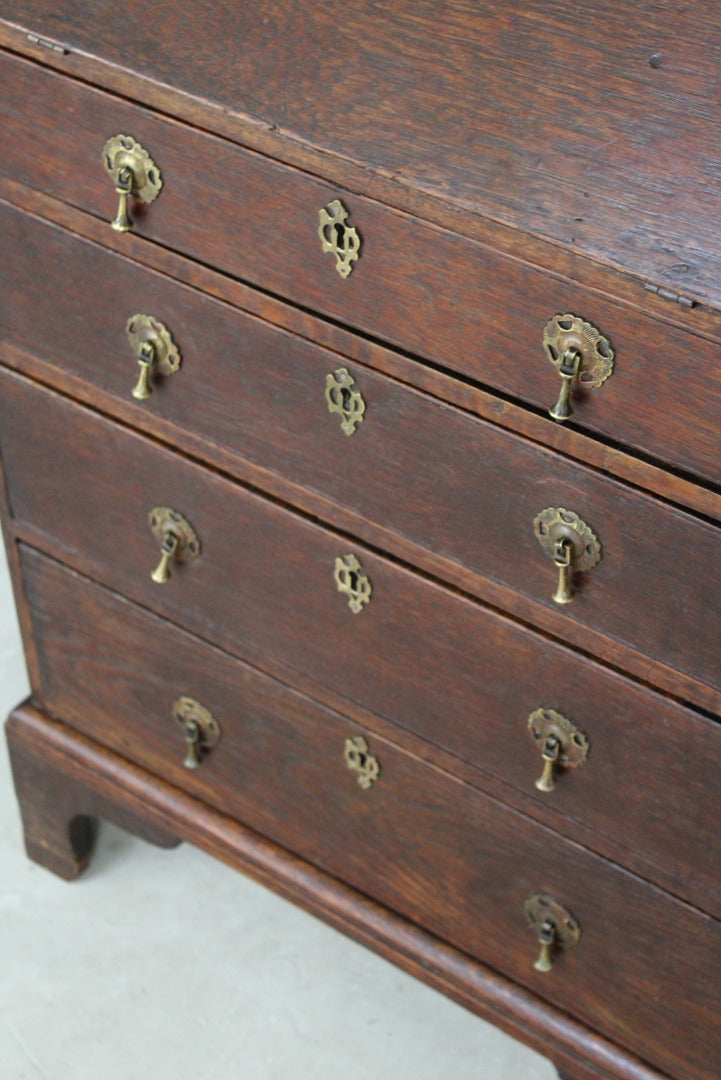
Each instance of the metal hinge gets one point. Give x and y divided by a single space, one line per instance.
668 294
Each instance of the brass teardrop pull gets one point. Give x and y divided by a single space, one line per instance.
572 545
580 353
154 349
133 173
178 541
555 929
200 730
563 745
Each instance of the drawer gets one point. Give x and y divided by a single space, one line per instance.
448 299
418 840
653 591
423 659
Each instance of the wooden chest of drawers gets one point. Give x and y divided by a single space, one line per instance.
307 573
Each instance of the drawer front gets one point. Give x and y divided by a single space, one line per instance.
446 298
424 659
419 841
653 589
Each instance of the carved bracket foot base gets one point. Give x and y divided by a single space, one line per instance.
61 798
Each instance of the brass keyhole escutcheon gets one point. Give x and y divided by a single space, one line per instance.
344 400
338 237
134 175
154 350
359 760
581 354
351 580
199 727
178 540
555 928
563 745
572 545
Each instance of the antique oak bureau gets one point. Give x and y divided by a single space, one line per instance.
360 413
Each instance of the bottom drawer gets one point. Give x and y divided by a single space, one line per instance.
413 837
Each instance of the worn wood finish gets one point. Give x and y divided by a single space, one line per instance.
253 389
575 151
141 665
501 166
632 595
464 866
100 777
452 301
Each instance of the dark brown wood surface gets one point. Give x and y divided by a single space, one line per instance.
452 301
587 124
654 591
249 388
647 793
107 785
444 856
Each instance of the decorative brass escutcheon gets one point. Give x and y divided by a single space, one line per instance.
570 542
200 728
563 745
580 353
154 348
344 400
351 581
338 237
360 761
133 173
554 927
178 540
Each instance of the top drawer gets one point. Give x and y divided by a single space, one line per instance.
439 295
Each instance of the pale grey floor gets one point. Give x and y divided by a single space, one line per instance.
169 966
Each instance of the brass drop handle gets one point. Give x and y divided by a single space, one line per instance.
359 760
546 938
563 558
572 545
191 730
133 173
124 189
551 750
146 356
178 541
200 730
568 370
154 349
563 745
580 353
168 549
554 927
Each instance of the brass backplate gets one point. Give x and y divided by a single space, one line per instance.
351 580
569 332
143 328
359 760
186 710
123 151
556 523
164 522
344 400
338 237
574 746
541 909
